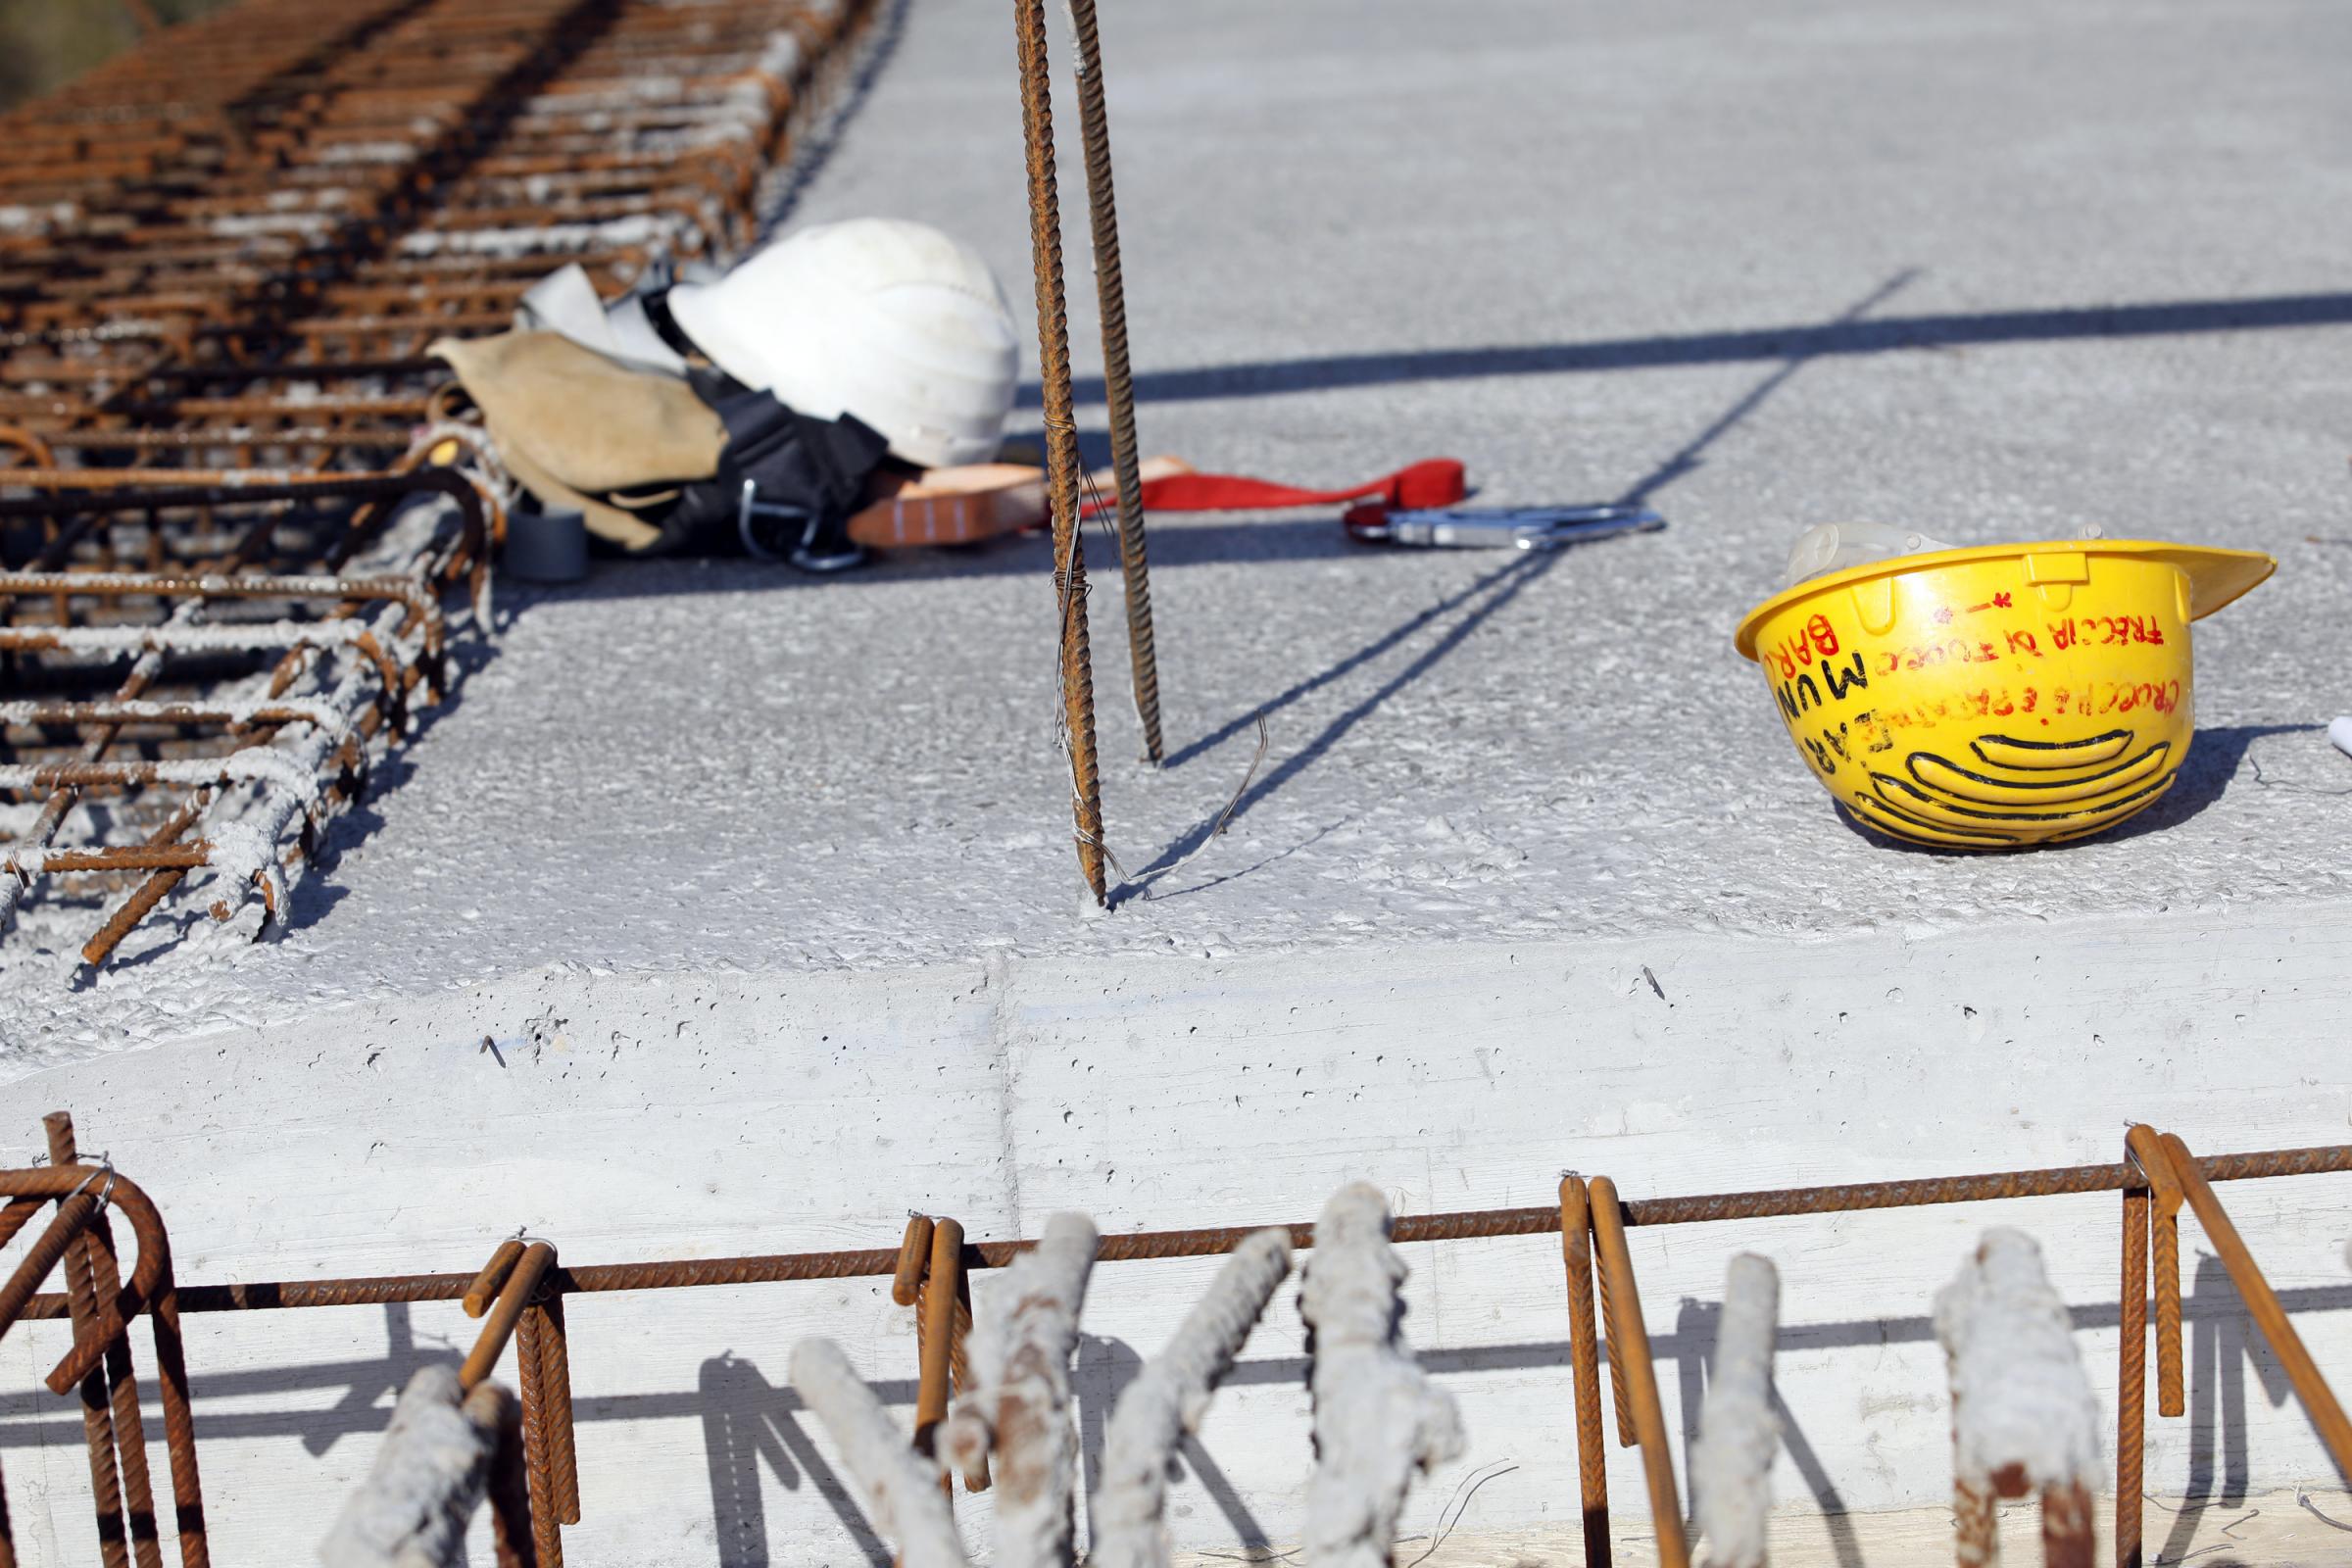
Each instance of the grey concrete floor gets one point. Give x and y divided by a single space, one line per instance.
1993 270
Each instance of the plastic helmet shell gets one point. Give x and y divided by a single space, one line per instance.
892 321
1996 697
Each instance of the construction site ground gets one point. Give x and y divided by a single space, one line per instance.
731 910
1990 272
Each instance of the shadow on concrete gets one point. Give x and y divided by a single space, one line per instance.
1486 595
1883 335
749 1422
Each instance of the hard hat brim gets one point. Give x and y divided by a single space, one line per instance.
2215 577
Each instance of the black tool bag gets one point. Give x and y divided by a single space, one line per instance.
786 484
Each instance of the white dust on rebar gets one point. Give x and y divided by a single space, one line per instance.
428 1478
1167 1401
1730 1464
1378 1419
898 1487
1018 1409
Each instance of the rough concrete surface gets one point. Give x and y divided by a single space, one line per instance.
1996 270
630 1117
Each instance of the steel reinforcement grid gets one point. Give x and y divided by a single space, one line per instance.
242 512
522 1289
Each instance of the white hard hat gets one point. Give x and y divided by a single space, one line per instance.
892 321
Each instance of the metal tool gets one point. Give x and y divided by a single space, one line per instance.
1499 528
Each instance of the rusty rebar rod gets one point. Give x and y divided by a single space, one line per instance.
2132 1382
1118 377
2263 1305
2163 1235
151 1289
1584 1354
1213 1241
1632 1371
110 1394
1062 446
547 1531
555 1407
937 1308
521 1284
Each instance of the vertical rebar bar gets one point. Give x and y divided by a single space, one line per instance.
1634 1372
2278 1330
1621 1393
97 1412
8 1540
2132 1381
1062 443
539 1482
938 1334
2068 1538
92 1255
1584 1351
1118 378
555 1405
2164 1263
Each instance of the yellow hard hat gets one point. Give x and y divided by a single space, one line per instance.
1999 697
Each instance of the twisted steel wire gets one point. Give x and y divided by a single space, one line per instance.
1118 378
1062 443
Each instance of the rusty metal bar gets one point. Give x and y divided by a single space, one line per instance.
1215 1240
151 1289
2263 1304
94 1278
486 1286
1584 1354
555 1407
547 1532
8 1538
1118 377
914 1254
73 1213
522 1285
1636 1373
2131 1378
150 891
2067 1537
938 1316
1062 446
2164 1223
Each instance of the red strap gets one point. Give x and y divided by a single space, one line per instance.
1432 482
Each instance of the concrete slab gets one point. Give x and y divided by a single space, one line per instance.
633 1118
1991 273
1530 876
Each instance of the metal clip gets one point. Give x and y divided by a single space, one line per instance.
1500 527
791 537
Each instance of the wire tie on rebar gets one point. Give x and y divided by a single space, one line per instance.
105 1168
547 1281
